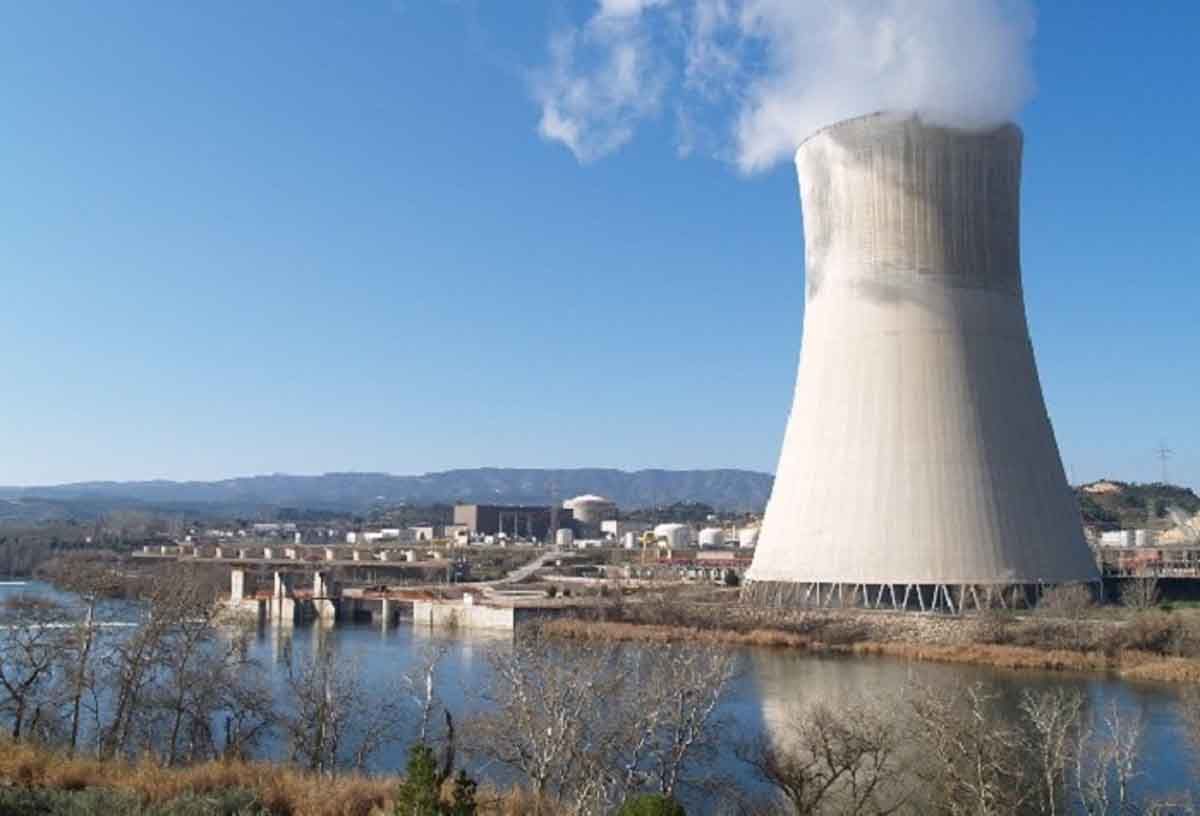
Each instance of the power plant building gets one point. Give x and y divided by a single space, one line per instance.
919 468
590 510
511 520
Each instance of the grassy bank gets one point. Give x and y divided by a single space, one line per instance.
848 637
36 780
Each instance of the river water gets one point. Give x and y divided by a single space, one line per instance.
769 683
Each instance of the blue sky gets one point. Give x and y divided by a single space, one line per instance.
300 237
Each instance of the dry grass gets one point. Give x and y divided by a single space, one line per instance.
1129 663
280 789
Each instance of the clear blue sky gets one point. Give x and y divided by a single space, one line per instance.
240 238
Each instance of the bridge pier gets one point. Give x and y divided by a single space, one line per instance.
323 598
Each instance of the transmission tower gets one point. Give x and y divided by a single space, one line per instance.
1164 454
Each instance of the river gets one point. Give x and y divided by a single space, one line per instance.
768 684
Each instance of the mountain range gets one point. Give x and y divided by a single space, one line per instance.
724 489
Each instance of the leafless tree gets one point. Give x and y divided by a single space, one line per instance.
1140 594
91 578
587 723
1052 719
421 684
974 760
1072 603
847 762
1107 761
332 722
31 645
554 719
673 709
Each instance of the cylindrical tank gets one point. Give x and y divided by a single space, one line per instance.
747 537
673 536
918 448
630 541
712 538
564 539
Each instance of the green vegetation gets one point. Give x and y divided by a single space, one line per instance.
651 804
421 792
1134 505
105 801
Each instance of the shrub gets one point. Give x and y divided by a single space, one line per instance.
420 793
651 804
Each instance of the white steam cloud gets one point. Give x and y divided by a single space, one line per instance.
771 72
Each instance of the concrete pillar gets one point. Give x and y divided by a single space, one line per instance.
289 552
283 606
145 548
384 555
218 552
323 598
268 553
330 554
356 555
385 613
242 553
410 555
162 550
237 585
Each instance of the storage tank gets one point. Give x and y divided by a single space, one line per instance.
673 536
712 538
564 539
747 537
918 455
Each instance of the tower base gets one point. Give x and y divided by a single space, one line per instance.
949 599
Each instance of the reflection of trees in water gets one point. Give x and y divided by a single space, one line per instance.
962 739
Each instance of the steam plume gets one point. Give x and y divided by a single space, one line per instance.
770 72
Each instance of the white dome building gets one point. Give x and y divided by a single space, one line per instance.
590 509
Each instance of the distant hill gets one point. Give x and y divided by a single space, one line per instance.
1110 504
355 492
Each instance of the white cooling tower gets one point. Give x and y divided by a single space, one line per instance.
918 456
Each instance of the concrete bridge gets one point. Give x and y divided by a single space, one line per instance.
294 598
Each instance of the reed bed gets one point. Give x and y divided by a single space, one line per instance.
277 788
1130 663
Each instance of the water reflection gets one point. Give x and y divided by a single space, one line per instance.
771 686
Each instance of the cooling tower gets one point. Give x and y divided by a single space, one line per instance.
919 467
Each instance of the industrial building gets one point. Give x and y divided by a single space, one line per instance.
532 522
590 511
919 468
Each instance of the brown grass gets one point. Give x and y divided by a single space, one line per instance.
1129 663
283 790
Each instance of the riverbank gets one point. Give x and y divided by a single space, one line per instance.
37 780
1149 646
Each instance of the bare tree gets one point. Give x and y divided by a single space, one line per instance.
674 712
1053 725
1140 594
555 719
31 646
974 761
1107 761
91 578
847 762
1072 603
587 723
332 722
